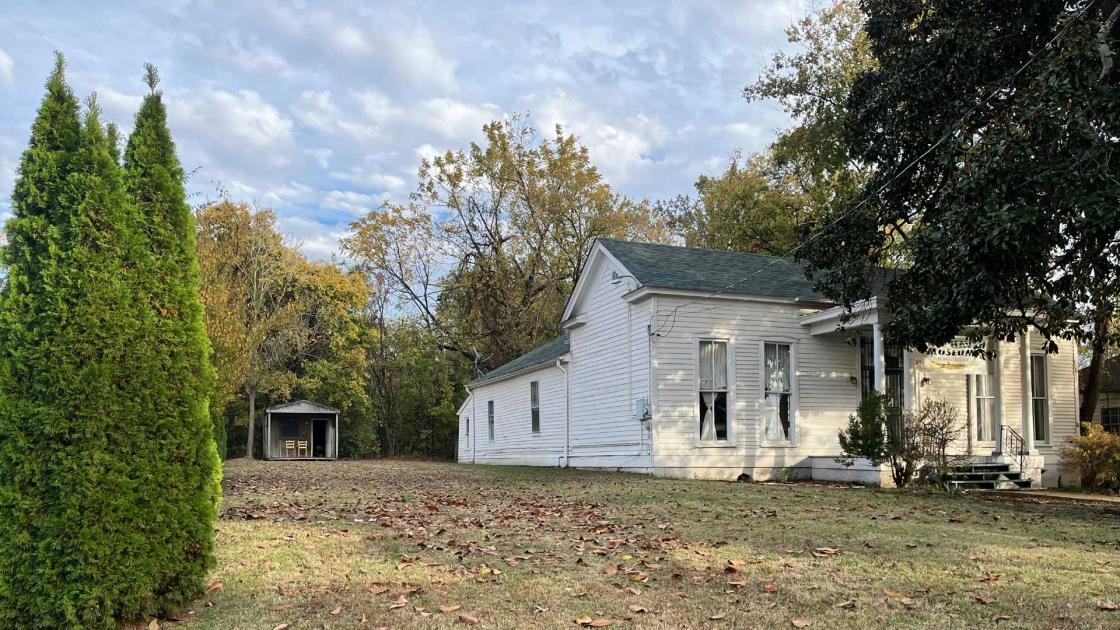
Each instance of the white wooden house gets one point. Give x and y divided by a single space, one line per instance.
653 374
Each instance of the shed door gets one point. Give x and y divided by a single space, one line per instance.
319 439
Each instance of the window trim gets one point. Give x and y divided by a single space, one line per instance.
729 441
490 418
467 426
535 407
794 394
1049 398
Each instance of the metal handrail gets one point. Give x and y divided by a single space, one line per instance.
1010 437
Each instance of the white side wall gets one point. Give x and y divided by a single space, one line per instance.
609 370
823 394
514 441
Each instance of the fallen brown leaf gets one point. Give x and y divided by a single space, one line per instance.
467 619
337 611
1107 605
770 588
450 609
717 616
215 585
801 623
634 608
281 626
851 603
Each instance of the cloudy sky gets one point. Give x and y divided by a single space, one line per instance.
321 110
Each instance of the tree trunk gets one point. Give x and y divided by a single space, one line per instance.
251 392
1095 374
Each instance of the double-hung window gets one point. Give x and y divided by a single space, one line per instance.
1110 419
1040 405
467 426
777 412
713 391
535 405
490 418
984 395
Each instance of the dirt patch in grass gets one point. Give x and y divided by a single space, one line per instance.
422 544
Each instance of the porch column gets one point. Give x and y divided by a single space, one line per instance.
1025 381
997 387
907 381
880 358
267 437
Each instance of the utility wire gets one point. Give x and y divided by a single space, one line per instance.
671 318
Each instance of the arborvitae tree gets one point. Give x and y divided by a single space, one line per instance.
182 379
92 481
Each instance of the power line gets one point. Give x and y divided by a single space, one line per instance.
1003 86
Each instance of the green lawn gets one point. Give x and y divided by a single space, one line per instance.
328 545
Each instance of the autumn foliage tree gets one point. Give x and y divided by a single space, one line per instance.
489 244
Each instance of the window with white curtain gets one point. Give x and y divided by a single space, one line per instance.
984 402
713 391
1039 398
777 414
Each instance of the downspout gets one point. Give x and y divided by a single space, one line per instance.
567 409
473 418
651 338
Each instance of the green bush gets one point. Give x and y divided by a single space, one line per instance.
865 436
108 470
1094 457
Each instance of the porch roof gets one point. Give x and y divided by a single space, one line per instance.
302 406
838 318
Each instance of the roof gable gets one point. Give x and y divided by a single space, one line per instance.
301 406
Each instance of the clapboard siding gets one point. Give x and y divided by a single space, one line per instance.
610 355
823 370
514 440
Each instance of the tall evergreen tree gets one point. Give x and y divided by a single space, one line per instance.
96 486
181 381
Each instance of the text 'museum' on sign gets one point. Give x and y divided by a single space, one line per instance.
955 356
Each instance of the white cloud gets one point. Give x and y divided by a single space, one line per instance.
254 58
319 111
355 203
317 240
240 122
117 105
287 194
428 152
456 119
6 66
620 149
377 107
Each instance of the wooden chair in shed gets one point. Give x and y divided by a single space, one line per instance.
289 447
301 447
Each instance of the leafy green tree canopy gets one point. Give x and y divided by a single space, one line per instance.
993 143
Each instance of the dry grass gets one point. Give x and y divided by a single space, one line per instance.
328 545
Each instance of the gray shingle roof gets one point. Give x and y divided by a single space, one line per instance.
709 270
548 353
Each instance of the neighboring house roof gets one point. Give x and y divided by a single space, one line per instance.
548 353
301 406
710 270
1110 381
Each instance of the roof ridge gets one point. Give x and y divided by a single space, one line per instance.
696 249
